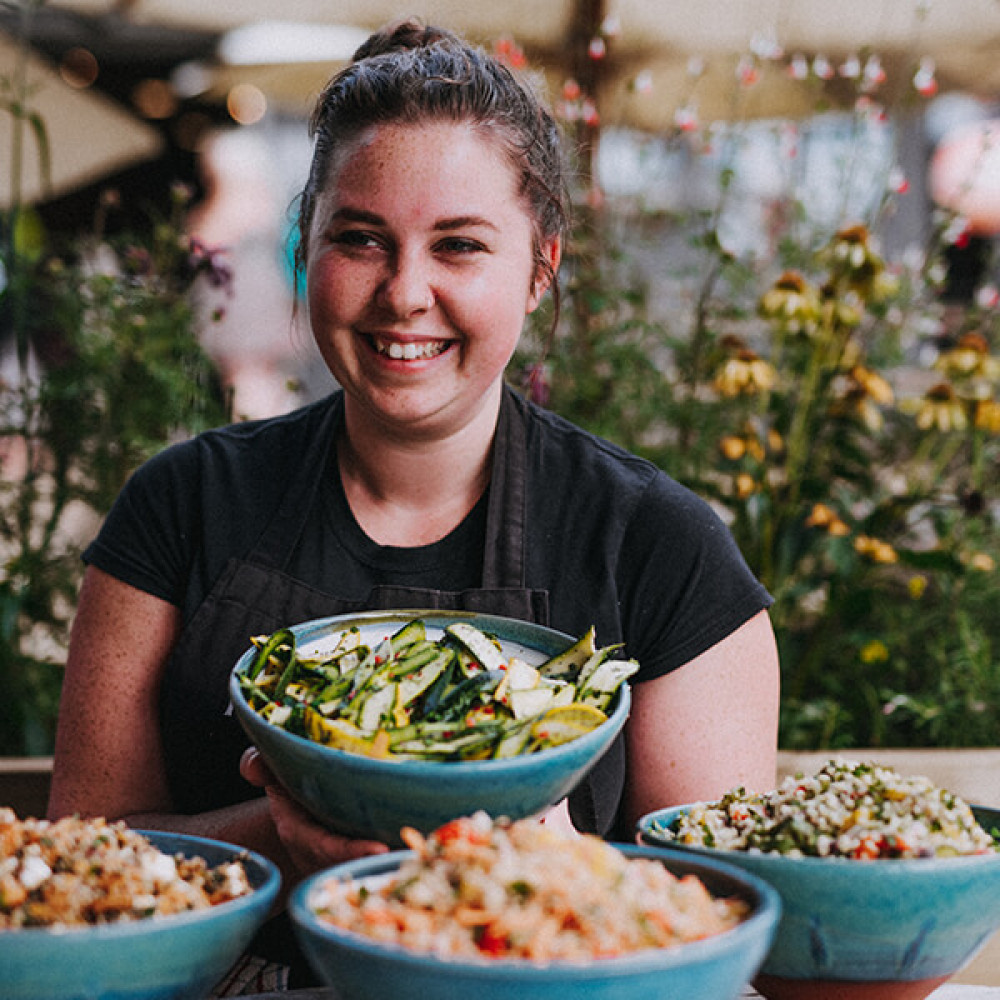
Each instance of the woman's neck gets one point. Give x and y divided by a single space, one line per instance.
414 491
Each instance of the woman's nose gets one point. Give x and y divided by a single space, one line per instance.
407 289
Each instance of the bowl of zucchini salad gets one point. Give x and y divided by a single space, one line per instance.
490 909
890 885
385 720
94 910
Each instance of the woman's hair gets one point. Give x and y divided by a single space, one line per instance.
410 73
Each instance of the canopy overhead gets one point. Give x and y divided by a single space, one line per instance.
650 64
654 40
73 136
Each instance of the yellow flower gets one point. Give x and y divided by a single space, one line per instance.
745 374
732 447
865 391
917 585
983 562
941 409
851 258
820 516
873 384
970 358
792 304
746 485
875 549
823 516
987 416
875 651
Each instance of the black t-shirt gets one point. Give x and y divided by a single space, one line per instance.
616 542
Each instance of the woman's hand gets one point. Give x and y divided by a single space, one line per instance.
310 846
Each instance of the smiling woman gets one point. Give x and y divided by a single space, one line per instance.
420 273
431 224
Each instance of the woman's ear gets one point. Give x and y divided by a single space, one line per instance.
544 276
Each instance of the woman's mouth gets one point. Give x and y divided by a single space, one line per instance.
410 350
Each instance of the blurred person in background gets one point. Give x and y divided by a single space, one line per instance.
248 329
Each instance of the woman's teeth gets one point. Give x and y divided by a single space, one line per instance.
411 351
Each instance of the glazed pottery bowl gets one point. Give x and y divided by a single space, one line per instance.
177 957
865 930
716 968
368 797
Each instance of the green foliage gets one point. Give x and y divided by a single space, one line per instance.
854 459
109 370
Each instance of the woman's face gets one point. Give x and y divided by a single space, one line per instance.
420 273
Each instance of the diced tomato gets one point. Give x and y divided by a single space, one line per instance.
869 848
489 942
461 829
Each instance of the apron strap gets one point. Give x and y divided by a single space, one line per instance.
504 552
280 538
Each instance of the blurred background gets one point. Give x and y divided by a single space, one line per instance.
782 287
136 95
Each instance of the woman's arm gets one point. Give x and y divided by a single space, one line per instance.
708 726
109 755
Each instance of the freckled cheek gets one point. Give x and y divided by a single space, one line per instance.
331 298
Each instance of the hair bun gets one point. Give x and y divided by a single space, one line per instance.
407 34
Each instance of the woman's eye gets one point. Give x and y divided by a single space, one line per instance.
460 245
355 238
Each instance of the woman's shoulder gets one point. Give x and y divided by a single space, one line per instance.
271 446
562 452
556 441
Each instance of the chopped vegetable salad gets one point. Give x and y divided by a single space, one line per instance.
847 809
478 888
456 697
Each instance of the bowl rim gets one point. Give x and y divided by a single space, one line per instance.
582 746
766 912
644 835
189 845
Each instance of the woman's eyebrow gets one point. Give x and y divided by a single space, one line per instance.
349 214
463 222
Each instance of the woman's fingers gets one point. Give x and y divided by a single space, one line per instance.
310 845
254 770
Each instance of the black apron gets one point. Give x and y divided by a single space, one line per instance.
202 740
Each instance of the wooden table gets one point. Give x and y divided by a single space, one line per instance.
946 992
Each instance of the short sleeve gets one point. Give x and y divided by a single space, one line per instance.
683 581
146 538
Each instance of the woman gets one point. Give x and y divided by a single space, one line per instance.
431 225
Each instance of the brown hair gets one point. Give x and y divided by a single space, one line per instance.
410 72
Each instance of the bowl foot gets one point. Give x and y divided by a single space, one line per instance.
781 988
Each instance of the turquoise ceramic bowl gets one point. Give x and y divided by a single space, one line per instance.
878 922
365 797
714 969
179 957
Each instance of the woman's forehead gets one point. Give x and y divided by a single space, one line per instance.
438 156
